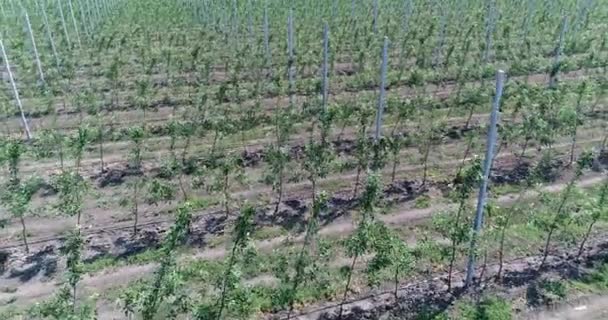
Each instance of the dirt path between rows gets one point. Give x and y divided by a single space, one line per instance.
45 229
33 291
594 308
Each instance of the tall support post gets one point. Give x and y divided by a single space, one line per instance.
375 17
71 7
83 19
531 8
34 47
63 24
382 95
440 38
558 53
267 36
490 23
325 68
26 127
481 200
49 34
291 58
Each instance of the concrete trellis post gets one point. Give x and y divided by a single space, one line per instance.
325 68
98 12
63 24
49 34
375 17
407 13
381 97
528 18
440 38
490 23
34 47
558 52
291 58
26 127
83 20
267 37
74 23
481 200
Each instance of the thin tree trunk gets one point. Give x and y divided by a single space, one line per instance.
357 182
225 283
501 248
572 147
135 208
279 193
484 266
546 250
523 151
426 163
185 151
469 118
396 279
554 226
453 252
393 172
24 234
101 137
226 196
347 287
581 248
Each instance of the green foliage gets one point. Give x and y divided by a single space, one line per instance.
159 191
78 142
71 188
167 284
61 308
489 308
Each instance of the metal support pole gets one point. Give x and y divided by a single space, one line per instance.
558 53
74 23
26 127
481 200
291 62
325 68
34 47
63 24
375 17
49 34
381 98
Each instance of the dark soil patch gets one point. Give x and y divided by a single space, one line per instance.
520 172
115 176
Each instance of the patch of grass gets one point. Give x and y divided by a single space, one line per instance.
595 282
148 256
269 233
490 308
423 202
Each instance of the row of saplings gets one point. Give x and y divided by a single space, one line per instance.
168 294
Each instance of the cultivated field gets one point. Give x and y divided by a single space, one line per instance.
318 159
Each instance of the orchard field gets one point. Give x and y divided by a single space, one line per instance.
304 159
